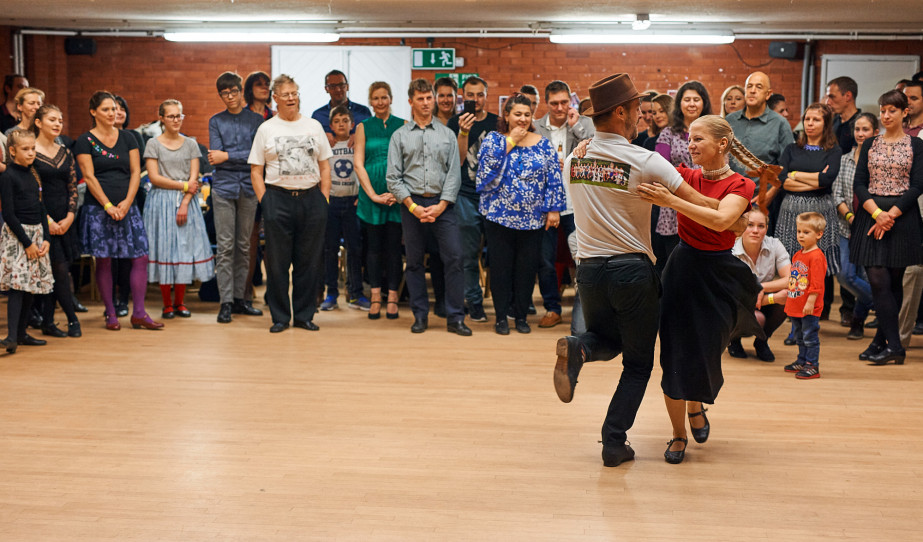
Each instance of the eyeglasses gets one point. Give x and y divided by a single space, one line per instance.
229 93
173 118
288 95
337 86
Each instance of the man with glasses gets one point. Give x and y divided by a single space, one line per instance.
293 190
337 87
230 137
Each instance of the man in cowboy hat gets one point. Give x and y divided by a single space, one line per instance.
615 272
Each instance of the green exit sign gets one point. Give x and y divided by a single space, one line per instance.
433 59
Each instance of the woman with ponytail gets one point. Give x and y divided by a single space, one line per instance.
708 294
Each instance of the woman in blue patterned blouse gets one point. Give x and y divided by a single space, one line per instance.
519 179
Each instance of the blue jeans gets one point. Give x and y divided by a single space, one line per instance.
547 274
805 330
851 279
471 228
342 223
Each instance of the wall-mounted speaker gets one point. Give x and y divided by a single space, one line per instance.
783 49
76 45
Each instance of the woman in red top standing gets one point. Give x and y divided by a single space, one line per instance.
704 280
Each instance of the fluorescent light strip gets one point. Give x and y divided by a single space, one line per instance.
645 39
240 37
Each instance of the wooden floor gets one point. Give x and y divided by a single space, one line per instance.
363 431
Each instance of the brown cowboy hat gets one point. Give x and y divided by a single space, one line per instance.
611 92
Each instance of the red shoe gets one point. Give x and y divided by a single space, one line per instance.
112 323
145 322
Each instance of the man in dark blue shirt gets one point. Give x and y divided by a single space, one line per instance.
230 135
337 87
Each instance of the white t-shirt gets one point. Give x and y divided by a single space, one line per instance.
290 150
611 218
558 137
343 180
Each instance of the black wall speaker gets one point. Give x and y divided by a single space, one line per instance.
79 46
783 49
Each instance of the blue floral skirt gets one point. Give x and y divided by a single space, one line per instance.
102 237
179 254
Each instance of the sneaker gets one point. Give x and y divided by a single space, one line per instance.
476 313
330 303
807 372
794 368
790 341
361 304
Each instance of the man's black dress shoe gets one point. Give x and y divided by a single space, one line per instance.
419 326
79 307
224 314
613 456
459 328
887 355
570 360
29 340
278 327
309 325
121 310
53 331
245 306
9 345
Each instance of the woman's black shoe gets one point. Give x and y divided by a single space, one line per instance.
502 327
121 309
78 306
522 325
736 350
675 458
73 329
887 355
53 331
700 435
9 345
871 351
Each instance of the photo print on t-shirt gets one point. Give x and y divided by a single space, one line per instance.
603 173
296 156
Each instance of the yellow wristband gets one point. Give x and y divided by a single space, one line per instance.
463 133
185 186
412 207
510 141
107 205
876 213
848 215
771 300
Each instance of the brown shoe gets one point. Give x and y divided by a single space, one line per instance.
550 319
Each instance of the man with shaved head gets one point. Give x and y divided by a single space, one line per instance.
763 131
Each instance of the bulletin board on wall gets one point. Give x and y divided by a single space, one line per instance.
875 74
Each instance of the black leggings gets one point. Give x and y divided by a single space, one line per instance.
18 307
888 292
62 294
383 260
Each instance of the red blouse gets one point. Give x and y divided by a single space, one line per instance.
697 235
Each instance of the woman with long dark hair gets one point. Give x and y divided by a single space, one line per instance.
691 102
885 236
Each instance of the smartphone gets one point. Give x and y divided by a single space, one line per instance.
574 100
470 106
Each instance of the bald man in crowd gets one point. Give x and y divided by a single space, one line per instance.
763 131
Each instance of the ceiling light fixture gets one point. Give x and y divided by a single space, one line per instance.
642 22
262 37
644 38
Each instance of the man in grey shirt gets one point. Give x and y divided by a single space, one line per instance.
763 131
564 128
424 175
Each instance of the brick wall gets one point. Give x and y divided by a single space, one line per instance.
148 70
